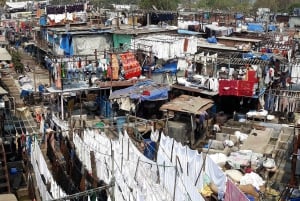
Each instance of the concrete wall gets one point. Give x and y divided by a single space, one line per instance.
294 21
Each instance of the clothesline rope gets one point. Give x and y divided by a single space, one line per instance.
84 193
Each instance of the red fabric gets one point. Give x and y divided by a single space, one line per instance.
146 93
38 117
251 76
185 44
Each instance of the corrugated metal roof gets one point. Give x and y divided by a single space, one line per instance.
188 104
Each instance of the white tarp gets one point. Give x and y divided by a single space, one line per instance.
86 45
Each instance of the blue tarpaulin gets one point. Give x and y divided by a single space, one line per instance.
255 27
183 31
144 91
239 16
272 27
170 67
66 44
248 55
265 57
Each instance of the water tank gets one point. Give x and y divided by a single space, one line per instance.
178 131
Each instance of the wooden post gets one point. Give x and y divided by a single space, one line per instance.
94 169
192 133
96 54
296 141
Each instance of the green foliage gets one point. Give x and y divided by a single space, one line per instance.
292 6
16 60
159 4
246 7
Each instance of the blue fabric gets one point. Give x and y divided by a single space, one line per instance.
24 93
212 40
41 88
250 197
105 106
43 21
28 144
149 150
255 27
50 38
66 44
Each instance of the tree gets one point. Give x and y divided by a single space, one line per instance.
232 5
159 4
272 4
16 60
291 7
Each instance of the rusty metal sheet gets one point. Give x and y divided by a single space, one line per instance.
188 104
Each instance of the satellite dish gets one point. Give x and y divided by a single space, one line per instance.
154 7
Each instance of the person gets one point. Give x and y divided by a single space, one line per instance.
27 69
99 70
190 70
88 70
216 128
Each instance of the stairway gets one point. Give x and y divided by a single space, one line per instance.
4 179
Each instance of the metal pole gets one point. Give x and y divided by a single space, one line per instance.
62 105
113 171
34 78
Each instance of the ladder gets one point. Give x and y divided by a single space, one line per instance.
4 179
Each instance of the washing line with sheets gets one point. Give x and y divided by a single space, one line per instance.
124 180
108 169
84 193
161 165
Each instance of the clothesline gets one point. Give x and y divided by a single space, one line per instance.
284 93
120 170
84 193
159 165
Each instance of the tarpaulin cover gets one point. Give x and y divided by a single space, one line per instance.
157 92
239 16
248 55
66 44
255 27
182 31
272 27
170 67
265 57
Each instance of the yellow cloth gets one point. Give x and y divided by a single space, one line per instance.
272 191
206 191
